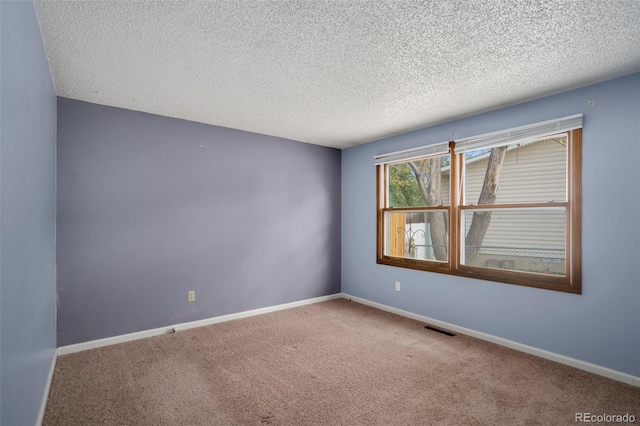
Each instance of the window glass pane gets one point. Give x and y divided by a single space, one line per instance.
432 173
529 240
417 235
532 172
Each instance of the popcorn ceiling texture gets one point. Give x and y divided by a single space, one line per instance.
334 73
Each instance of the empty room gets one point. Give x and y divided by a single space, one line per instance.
319 212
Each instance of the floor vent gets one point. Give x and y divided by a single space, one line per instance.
448 333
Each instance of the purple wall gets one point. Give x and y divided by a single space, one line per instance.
150 207
601 326
27 216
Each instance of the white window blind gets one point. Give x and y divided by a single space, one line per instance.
518 134
433 150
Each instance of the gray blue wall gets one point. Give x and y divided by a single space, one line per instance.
27 216
150 207
601 326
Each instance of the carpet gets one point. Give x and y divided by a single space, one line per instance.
331 363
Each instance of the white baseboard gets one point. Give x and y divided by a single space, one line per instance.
64 350
45 395
572 362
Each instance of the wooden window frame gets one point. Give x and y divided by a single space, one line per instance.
570 283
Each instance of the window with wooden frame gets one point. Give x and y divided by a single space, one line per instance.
504 206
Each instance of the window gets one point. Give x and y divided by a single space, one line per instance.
504 207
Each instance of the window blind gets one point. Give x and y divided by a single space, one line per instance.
440 148
518 134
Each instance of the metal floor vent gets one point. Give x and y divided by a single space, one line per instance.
448 333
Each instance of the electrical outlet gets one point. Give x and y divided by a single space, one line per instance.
191 295
397 285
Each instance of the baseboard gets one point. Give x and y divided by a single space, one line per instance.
562 359
572 362
45 395
69 349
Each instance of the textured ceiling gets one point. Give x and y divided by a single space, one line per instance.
334 73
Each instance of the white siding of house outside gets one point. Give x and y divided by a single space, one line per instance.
534 172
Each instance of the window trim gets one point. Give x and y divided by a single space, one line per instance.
570 283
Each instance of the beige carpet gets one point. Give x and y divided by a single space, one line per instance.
332 363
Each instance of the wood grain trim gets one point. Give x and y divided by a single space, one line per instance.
574 227
380 170
513 206
454 213
415 209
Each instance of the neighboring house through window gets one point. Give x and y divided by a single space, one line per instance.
504 206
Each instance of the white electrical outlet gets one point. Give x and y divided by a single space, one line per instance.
397 285
191 295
